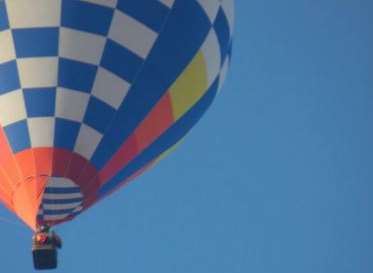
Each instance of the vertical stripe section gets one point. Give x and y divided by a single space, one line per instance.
168 139
175 47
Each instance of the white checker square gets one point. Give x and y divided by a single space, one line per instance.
132 34
7 52
211 53
35 13
12 107
168 3
71 104
38 72
223 73
110 88
228 8
41 131
211 8
107 3
81 46
87 141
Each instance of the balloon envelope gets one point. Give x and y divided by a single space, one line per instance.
94 92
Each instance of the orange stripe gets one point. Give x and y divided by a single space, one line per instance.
38 188
6 183
6 201
26 162
6 191
121 158
7 160
43 160
24 205
158 121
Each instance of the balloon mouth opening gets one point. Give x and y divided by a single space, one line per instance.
62 199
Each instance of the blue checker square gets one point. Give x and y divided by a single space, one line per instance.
121 61
76 75
66 133
18 136
98 114
4 24
40 102
153 16
87 17
36 42
221 27
9 79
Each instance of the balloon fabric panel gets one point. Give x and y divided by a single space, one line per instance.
88 105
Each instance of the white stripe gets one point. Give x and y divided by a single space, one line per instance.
48 217
60 196
223 73
61 206
61 182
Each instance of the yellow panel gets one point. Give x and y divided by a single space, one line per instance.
190 86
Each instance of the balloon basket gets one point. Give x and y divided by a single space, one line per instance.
45 258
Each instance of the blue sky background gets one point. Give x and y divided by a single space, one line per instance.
276 178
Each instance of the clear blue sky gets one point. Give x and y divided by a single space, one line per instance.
276 178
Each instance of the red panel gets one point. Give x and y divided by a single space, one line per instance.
121 158
158 120
76 166
61 162
88 179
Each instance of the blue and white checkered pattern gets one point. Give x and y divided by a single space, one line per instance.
62 198
59 67
221 16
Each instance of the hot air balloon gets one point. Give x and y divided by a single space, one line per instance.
95 92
